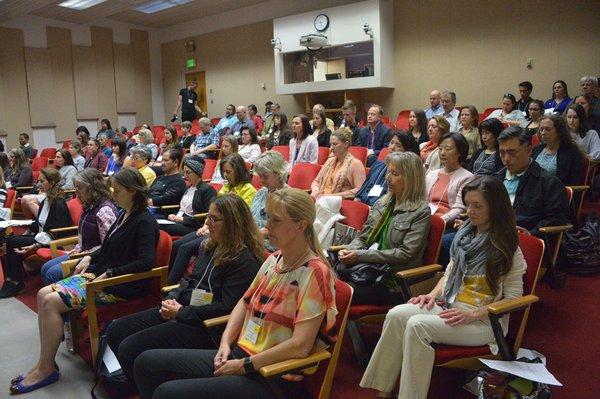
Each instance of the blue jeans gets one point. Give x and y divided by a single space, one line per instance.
51 271
444 257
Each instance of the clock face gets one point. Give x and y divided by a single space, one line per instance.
321 22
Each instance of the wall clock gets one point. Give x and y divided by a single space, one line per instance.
321 22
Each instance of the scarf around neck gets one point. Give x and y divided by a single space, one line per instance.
336 178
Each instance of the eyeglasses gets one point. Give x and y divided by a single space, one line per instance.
213 219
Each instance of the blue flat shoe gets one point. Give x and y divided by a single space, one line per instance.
19 388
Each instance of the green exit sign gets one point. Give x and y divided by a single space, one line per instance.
190 63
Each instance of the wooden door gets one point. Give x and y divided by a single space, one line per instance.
201 89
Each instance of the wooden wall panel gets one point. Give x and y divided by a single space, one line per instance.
59 44
102 47
140 48
40 86
84 77
14 111
124 78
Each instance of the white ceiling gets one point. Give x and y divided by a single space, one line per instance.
123 10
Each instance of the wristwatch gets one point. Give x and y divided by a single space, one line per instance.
248 366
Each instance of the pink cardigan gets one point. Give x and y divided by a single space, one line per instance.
458 179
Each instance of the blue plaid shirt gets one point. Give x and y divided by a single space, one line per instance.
206 139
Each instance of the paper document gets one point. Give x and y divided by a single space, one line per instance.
532 371
9 223
531 354
164 221
110 360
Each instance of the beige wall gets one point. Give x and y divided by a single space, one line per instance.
236 61
477 49
53 87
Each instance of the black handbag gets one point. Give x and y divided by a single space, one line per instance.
365 274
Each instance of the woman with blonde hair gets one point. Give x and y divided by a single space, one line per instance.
288 307
394 236
342 174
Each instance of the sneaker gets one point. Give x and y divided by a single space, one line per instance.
10 289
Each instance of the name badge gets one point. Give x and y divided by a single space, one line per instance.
374 246
201 297
253 329
433 208
236 133
190 101
375 191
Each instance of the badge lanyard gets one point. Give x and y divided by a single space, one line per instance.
209 274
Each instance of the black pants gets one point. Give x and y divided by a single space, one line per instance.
13 268
177 229
188 116
131 335
183 251
380 295
181 373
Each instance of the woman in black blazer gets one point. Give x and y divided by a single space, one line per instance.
53 214
557 153
129 247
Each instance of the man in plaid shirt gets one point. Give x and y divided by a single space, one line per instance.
207 141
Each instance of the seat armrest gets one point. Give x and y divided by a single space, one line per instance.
579 188
291 365
510 305
200 216
68 266
555 229
168 288
127 278
216 321
337 248
169 207
62 230
20 189
61 242
419 271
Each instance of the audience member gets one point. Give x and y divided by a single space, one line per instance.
233 168
280 131
395 234
228 146
147 139
509 114
53 214
140 157
587 102
586 138
249 148
450 112
536 112
169 187
589 85
525 89
117 159
76 154
228 262
83 136
487 265
268 125
486 160
106 128
171 141
349 119
444 186
241 120
5 165
206 141
320 108
99 213
21 174
376 135
256 119
469 119
538 198
95 158
560 97
25 146
435 105
187 102
129 247
558 154
103 140
437 127
320 130
375 184
304 148
196 199
187 138
417 125
292 321
342 174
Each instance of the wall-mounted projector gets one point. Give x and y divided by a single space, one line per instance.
313 41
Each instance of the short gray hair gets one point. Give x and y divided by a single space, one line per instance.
204 121
271 162
143 152
103 135
450 94
590 79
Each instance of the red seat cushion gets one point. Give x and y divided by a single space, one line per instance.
446 353
46 254
358 311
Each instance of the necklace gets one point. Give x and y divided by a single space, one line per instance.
283 269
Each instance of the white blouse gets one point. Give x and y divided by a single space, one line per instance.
250 152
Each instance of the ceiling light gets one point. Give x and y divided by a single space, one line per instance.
80 4
160 5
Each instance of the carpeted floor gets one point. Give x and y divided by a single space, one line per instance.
563 326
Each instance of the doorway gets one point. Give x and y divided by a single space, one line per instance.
201 89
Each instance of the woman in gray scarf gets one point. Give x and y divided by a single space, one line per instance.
486 265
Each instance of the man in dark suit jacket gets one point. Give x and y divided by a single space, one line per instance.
376 135
25 146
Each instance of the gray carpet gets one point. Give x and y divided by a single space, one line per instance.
19 350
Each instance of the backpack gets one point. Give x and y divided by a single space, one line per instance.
581 247
116 383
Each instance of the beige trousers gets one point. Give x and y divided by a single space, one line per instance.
404 348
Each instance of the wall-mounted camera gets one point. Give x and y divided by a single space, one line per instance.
276 43
368 30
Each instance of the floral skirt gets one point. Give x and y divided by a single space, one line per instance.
72 291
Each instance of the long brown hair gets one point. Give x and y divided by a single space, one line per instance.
239 230
503 228
53 177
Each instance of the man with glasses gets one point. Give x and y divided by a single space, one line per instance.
140 157
449 111
241 121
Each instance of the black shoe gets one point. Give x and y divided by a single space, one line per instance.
11 288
